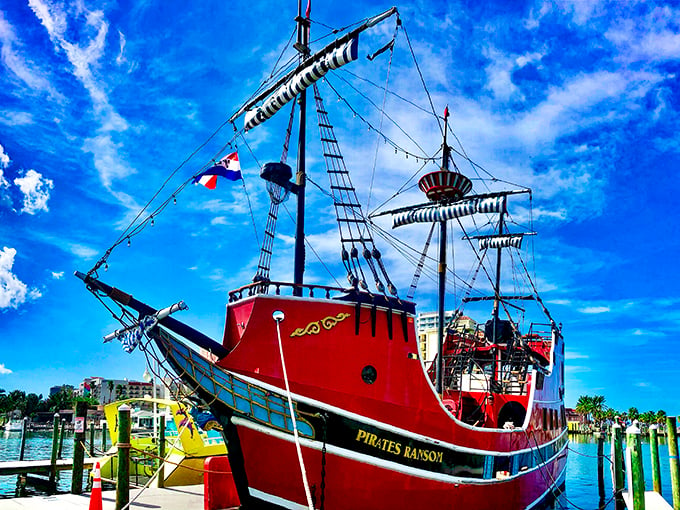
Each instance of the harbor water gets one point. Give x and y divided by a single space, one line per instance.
582 490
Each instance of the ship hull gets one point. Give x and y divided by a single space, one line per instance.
361 452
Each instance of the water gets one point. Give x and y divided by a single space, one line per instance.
581 484
38 447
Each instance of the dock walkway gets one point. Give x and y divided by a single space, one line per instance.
653 501
172 498
40 466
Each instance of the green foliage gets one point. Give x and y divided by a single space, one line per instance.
20 403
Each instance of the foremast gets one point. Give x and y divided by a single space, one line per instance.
302 46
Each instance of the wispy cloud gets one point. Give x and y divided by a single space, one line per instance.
84 57
4 370
58 275
594 309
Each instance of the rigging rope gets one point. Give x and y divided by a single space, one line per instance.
292 415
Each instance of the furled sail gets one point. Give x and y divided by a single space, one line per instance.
430 214
302 79
503 241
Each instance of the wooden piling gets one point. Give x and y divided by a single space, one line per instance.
617 460
92 438
103 436
654 452
636 478
78 450
123 477
672 438
22 447
161 452
55 448
600 466
61 437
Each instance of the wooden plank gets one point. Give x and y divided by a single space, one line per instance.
653 501
173 498
39 466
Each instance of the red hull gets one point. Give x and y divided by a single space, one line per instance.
355 485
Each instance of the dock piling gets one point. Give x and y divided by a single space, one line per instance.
55 448
617 461
654 452
600 466
636 479
123 482
92 438
61 437
672 437
161 451
78 450
103 436
22 448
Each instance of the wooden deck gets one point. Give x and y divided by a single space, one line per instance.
173 498
39 467
653 501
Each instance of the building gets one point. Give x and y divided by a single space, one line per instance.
56 389
427 329
109 390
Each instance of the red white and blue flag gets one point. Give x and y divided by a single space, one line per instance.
228 167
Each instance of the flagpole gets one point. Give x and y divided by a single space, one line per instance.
300 180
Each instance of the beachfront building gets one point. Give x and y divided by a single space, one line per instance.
427 324
109 390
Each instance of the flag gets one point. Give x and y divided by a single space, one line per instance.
228 167
446 112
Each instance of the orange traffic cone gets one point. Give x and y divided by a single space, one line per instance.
96 494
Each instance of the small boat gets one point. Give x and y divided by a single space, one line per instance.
14 426
187 444
323 391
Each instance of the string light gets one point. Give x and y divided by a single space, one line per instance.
152 221
128 243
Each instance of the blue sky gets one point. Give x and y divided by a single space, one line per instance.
101 101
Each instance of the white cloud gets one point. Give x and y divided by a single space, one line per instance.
13 292
10 118
17 65
58 275
85 58
4 370
594 309
4 159
36 190
575 355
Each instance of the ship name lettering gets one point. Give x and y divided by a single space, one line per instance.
423 455
386 445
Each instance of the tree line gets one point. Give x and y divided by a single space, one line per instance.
18 403
594 410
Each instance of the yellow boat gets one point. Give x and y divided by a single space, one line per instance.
186 444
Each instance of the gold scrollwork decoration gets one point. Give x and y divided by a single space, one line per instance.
314 328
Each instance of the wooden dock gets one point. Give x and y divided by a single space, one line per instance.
653 501
173 498
39 467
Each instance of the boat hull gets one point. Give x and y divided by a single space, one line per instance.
353 459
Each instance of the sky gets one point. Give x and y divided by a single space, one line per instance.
102 101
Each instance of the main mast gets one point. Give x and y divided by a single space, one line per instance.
443 187
300 179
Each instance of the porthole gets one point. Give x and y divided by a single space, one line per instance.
369 374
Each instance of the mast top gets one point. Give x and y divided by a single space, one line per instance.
444 185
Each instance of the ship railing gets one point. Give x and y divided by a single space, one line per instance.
267 286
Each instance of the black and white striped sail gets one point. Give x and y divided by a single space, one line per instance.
304 78
336 54
502 241
429 214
